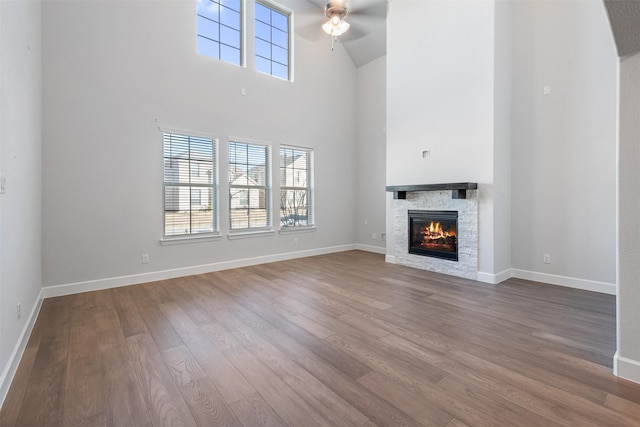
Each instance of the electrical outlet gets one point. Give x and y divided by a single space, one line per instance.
295 241
374 236
145 258
19 311
546 258
383 236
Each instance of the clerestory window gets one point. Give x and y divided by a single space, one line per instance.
219 29
272 42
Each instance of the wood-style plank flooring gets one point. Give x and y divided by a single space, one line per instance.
335 340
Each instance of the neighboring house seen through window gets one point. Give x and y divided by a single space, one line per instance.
296 187
249 186
189 198
219 29
272 40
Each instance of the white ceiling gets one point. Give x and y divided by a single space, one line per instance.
365 41
370 47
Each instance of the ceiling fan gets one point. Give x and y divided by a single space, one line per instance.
360 14
336 11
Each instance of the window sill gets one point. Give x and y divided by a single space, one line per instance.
250 234
167 241
307 229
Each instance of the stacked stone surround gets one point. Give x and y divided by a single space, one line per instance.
467 264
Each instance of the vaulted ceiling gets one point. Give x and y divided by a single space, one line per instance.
624 16
367 40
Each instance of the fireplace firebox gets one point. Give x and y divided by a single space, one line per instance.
434 234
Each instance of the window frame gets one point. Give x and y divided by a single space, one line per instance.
309 188
267 188
213 186
288 13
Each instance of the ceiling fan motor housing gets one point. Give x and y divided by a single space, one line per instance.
335 8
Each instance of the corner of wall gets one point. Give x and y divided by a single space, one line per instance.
16 355
21 163
626 368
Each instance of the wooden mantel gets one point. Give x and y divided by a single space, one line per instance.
459 189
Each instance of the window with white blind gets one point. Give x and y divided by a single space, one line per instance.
249 186
296 187
272 39
219 29
190 185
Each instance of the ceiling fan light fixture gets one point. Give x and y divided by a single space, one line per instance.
335 26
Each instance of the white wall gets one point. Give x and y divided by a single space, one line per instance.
20 164
370 218
116 71
502 143
563 152
627 359
440 96
439 85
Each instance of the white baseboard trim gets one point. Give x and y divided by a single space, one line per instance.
551 279
626 368
494 279
134 279
370 248
569 282
16 355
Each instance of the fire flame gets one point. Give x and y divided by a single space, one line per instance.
435 231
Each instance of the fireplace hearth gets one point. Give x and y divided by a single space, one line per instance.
433 234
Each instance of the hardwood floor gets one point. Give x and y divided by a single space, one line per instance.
336 340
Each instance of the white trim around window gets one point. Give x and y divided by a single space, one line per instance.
296 173
269 49
183 152
250 204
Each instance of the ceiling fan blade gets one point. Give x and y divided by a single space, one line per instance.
373 11
318 3
311 17
313 9
355 32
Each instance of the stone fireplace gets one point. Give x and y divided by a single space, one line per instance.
436 230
